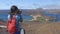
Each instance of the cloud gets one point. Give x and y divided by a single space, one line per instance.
54 6
55 1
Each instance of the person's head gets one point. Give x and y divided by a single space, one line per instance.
14 10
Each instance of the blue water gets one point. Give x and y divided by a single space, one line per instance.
5 17
53 16
27 17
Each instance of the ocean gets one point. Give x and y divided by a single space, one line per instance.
57 16
5 17
27 17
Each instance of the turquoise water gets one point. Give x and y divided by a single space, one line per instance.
5 17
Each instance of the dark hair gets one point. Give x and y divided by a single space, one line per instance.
14 10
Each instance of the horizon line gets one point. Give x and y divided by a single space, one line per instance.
34 8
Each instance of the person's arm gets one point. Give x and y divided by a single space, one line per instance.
21 19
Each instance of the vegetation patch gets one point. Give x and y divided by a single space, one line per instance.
41 19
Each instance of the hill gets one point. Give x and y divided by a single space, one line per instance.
38 28
55 11
43 28
25 11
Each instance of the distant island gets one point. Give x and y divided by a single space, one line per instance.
33 11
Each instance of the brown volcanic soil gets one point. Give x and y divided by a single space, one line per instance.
38 28
43 28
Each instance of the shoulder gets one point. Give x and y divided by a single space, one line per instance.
17 16
19 11
8 15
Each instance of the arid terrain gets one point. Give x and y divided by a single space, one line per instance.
38 28
43 28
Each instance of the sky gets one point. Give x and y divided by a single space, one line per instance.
30 4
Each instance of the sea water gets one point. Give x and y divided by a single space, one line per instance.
5 17
56 15
27 17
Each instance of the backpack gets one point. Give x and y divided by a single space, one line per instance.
11 25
